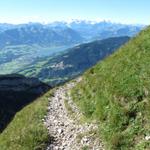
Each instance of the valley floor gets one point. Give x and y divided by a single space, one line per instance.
64 123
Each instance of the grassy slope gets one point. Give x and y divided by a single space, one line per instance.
116 92
26 131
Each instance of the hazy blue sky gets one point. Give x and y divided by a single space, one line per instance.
125 11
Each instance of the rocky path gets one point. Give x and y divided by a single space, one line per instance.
68 133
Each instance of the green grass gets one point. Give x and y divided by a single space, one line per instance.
116 92
85 148
69 109
26 131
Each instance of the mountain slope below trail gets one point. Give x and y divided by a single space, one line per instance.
16 92
26 131
63 123
23 104
116 92
73 62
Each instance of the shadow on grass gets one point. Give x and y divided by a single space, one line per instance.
17 91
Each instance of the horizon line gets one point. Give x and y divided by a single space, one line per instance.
92 21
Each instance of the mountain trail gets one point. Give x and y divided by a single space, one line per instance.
63 123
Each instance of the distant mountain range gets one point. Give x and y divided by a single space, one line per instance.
73 62
24 46
63 33
39 34
99 30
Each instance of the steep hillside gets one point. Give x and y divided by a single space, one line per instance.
16 92
26 131
73 62
116 92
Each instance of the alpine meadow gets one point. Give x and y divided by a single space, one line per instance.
75 75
